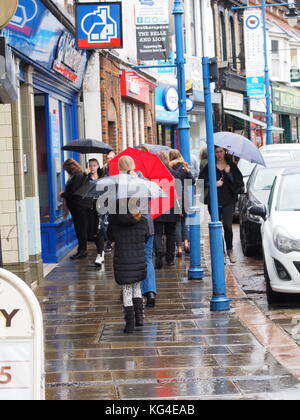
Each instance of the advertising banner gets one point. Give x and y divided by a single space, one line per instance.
152 29
254 53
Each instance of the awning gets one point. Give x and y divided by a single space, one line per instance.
253 120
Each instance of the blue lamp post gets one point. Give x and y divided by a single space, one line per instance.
195 270
292 14
219 301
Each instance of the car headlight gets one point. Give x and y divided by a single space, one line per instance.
286 244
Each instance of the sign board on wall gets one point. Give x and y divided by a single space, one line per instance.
152 29
99 25
21 341
254 53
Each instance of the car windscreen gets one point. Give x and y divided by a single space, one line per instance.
289 193
264 179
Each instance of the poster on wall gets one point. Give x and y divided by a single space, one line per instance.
254 53
152 29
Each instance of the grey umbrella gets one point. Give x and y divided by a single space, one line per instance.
88 146
121 186
155 148
239 146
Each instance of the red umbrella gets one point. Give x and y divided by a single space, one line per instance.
153 169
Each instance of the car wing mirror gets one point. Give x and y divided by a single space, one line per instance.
260 211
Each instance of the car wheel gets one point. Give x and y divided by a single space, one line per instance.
248 250
272 297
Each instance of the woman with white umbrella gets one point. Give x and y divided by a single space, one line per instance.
230 183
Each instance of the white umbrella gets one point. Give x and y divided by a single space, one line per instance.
239 146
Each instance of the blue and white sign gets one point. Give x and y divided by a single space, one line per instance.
254 53
99 25
27 17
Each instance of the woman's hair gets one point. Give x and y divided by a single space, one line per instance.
126 164
143 147
72 166
227 157
164 157
174 154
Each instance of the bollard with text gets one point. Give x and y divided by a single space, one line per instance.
219 301
21 341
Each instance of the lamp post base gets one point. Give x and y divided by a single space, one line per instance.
196 273
220 303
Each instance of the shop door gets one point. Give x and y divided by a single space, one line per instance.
42 160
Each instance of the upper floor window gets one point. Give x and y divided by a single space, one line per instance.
68 6
223 37
193 28
233 43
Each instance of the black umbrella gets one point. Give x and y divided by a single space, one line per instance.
88 146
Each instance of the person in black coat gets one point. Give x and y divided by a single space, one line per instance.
180 166
78 213
130 232
229 184
166 225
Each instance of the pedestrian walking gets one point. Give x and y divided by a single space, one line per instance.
130 233
180 166
77 178
229 184
103 172
165 226
94 221
126 164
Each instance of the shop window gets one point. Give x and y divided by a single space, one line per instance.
42 160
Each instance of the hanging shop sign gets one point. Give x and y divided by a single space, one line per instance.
8 78
295 75
68 58
99 25
7 11
152 29
170 99
27 17
254 53
135 87
21 341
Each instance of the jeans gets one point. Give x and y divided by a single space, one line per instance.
149 284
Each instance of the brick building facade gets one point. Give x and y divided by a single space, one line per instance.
128 113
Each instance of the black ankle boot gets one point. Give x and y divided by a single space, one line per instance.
150 299
139 311
129 319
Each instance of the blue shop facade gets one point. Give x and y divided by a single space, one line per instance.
38 39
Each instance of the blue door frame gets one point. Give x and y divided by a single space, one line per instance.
58 236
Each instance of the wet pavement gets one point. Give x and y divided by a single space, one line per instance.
184 351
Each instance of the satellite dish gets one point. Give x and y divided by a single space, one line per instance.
7 11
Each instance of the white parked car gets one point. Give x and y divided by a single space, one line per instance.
281 235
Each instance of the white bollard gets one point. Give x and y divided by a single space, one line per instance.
22 375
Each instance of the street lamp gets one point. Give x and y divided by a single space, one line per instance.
195 270
291 16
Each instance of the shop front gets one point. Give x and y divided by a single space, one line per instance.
286 107
50 71
137 109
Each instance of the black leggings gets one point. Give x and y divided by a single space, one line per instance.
226 217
